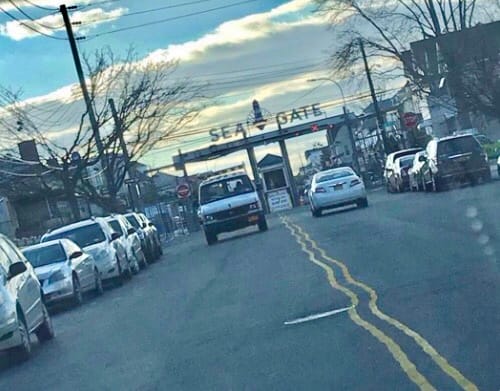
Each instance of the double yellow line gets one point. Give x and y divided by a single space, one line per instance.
309 246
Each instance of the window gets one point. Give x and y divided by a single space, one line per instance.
85 236
225 188
116 226
12 252
47 255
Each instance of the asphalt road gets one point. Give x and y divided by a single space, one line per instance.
421 269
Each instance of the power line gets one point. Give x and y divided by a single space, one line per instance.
147 11
169 19
40 6
32 19
30 27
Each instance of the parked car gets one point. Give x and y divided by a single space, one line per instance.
390 164
145 236
228 203
415 172
22 305
129 240
399 179
96 237
334 188
65 272
454 159
151 230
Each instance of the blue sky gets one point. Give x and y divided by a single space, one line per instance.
284 40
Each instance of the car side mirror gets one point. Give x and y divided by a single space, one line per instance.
131 231
16 269
114 236
422 159
76 254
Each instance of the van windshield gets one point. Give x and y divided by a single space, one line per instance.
225 188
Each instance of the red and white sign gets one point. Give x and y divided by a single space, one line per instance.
410 120
183 190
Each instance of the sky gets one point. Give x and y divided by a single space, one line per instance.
245 50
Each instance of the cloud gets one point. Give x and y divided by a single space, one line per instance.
239 31
50 24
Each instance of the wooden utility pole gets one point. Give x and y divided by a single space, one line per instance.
378 113
86 96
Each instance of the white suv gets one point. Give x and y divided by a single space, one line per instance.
22 309
228 203
96 237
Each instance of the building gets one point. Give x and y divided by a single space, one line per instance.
442 64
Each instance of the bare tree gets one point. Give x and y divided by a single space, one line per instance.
387 28
151 104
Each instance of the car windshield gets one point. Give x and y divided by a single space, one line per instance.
115 226
84 236
225 188
333 175
133 220
47 255
458 146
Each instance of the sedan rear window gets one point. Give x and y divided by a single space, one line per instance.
457 146
333 175
47 255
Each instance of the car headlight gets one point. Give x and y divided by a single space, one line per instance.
57 276
254 206
209 218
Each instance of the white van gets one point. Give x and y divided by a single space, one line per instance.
228 203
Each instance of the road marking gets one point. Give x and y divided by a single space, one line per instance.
394 349
317 316
451 371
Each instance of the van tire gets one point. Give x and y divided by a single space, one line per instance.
211 237
262 224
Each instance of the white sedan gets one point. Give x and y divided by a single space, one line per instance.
335 188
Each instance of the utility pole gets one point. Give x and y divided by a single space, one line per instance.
134 197
86 96
378 113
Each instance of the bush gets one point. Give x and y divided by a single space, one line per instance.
492 150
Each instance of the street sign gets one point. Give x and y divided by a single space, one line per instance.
183 191
410 120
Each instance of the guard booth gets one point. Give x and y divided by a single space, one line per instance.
276 184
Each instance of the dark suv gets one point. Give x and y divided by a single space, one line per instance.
454 159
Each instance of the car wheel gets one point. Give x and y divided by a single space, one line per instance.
211 238
262 224
363 203
45 331
436 184
120 279
316 212
143 261
99 290
77 292
23 351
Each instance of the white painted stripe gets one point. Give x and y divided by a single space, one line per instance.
317 316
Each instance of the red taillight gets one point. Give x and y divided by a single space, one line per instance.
320 190
355 182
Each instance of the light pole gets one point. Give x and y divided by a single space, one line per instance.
347 121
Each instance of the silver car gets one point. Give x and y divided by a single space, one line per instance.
64 271
334 188
96 238
22 308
